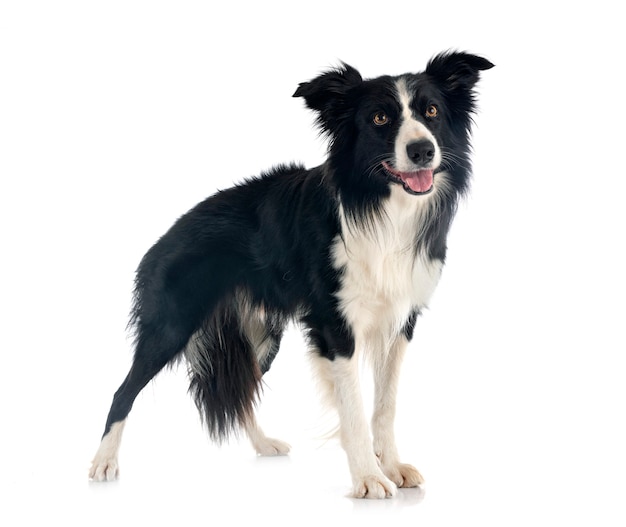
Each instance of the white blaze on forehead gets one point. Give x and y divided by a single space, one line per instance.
405 100
410 131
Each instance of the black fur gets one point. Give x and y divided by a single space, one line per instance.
263 247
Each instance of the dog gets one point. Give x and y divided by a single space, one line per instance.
350 250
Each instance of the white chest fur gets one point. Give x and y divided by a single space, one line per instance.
384 278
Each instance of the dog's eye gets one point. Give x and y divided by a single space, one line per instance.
432 111
380 119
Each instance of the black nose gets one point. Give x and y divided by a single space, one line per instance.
421 152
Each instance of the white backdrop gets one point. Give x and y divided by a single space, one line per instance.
116 117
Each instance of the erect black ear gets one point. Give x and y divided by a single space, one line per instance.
326 93
457 70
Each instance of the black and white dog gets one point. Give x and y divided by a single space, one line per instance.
351 250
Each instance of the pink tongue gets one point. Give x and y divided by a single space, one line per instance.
420 181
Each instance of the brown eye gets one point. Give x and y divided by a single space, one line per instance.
432 111
380 119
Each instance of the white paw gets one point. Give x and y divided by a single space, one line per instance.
269 446
104 469
403 475
374 487
104 466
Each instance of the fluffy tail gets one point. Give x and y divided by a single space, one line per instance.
224 373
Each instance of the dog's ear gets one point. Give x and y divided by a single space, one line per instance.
457 70
327 94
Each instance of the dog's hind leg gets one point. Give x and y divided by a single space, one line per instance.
264 446
264 335
227 358
154 350
386 375
104 466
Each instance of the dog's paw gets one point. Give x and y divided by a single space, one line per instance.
374 487
104 466
104 469
404 475
269 446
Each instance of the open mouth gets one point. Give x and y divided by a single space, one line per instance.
417 182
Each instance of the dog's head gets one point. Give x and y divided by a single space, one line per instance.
398 130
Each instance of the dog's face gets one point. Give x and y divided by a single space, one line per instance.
397 130
398 123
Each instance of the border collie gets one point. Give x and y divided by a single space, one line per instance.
351 250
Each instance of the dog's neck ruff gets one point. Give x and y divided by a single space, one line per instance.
385 275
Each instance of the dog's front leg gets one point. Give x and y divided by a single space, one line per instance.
367 477
386 376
